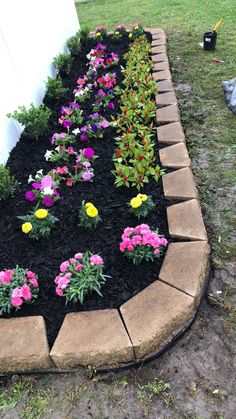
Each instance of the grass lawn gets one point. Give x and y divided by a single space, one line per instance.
209 126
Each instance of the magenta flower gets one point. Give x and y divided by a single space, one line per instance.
48 201
104 123
88 152
66 123
84 137
110 105
59 292
37 185
86 176
6 276
64 266
30 196
26 293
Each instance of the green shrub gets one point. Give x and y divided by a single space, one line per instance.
73 43
55 89
34 119
62 63
84 36
8 183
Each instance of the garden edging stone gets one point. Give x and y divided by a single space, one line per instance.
149 321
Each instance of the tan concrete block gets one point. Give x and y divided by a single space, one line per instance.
96 338
185 221
159 36
167 114
159 49
165 99
170 133
162 75
161 66
155 315
24 345
180 185
175 156
185 267
157 42
155 31
165 86
157 58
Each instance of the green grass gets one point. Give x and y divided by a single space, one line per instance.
209 126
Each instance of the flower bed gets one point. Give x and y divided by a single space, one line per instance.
105 133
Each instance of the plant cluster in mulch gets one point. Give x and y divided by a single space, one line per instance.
68 237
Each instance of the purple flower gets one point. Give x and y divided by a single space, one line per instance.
86 176
84 137
74 105
110 105
37 185
84 128
94 128
30 196
88 152
56 193
66 123
48 201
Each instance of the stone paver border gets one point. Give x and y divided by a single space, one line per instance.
147 324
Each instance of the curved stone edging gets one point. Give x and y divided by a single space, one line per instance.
152 319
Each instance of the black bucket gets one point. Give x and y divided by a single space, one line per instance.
209 41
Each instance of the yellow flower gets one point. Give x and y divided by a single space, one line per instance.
26 227
136 202
130 35
136 28
41 213
117 33
142 196
98 33
88 204
92 211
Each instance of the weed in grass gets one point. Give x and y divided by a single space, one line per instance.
223 301
9 398
122 382
157 387
37 404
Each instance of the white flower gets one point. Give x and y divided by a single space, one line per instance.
48 191
57 148
76 131
48 154
39 174
30 179
218 292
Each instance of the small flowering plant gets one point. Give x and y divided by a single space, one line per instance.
61 153
62 138
141 243
80 276
89 215
44 189
95 127
17 286
108 81
136 31
38 224
104 100
141 205
70 115
121 28
101 32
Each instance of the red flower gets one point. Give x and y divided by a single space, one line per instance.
69 181
118 153
140 179
125 178
140 157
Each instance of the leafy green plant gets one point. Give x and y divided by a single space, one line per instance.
62 63
84 35
55 89
38 224
35 119
8 183
73 43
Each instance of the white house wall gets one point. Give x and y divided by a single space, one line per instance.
32 32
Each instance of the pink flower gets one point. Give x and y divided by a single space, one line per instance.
62 170
47 182
79 255
86 164
163 241
33 281
59 292
136 240
86 176
130 248
26 293
156 251
104 123
16 301
6 276
64 266
30 274
70 150
79 267
63 282
73 260
96 260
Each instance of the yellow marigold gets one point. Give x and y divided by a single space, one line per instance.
130 35
88 204
136 28
41 213
136 202
117 33
26 227
98 33
142 196
92 211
